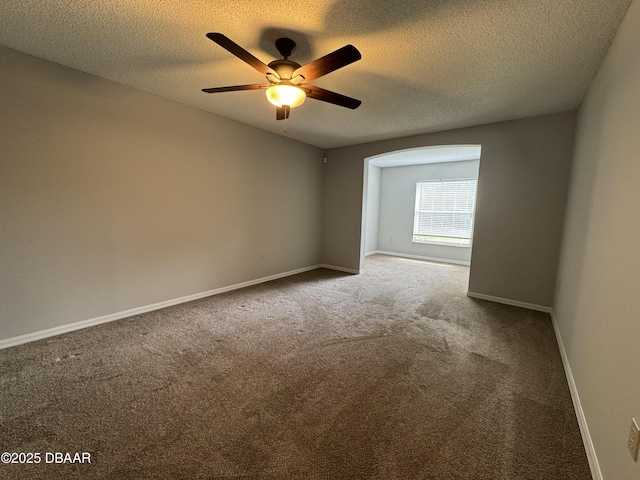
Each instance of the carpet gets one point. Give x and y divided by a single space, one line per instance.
391 374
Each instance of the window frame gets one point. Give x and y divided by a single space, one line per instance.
460 241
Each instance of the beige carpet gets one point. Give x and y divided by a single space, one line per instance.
393 374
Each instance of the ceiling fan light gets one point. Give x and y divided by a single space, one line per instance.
289 95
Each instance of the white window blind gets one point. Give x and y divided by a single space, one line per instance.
444 211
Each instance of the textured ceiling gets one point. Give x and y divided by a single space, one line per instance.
427 65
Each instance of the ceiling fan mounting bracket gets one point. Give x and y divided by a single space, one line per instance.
285 46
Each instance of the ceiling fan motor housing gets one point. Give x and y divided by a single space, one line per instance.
284 68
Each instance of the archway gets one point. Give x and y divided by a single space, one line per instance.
390 213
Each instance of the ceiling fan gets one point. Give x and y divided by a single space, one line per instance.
286 88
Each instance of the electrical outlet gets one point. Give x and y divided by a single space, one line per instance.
634 439
264 255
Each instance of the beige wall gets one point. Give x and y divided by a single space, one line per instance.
111 198
372 223
397 208
522 184
598 305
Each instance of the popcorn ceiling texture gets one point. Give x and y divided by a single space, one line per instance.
426 66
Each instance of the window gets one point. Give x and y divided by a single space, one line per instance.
444 211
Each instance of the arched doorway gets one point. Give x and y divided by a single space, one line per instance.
393 222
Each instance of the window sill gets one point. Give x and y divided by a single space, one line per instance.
457 245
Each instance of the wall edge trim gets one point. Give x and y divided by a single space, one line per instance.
341 269
513 303
420 257
70 327
590 450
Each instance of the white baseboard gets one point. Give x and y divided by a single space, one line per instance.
596 473
419 257
506 301
32 337
341 269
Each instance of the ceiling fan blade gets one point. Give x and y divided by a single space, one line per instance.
331 97
329 63
234 88
241 53
283 112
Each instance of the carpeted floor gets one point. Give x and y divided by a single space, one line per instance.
393 374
